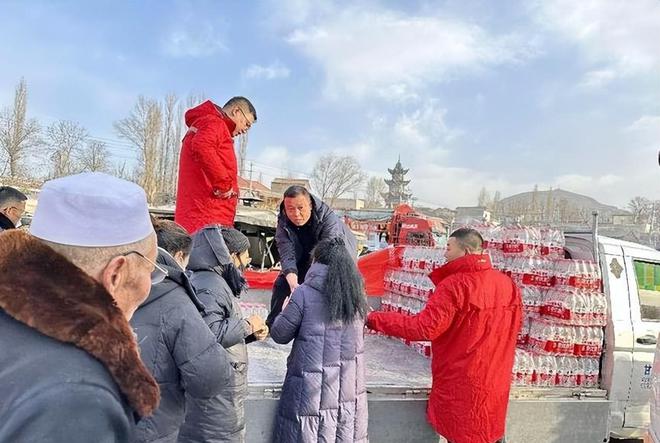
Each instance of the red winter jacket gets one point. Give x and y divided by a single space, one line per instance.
207 163
472 319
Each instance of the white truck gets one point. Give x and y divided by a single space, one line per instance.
398 378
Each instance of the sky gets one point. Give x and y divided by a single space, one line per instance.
473 93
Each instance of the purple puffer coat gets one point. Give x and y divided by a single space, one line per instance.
324 397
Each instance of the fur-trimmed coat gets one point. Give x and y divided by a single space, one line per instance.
70 370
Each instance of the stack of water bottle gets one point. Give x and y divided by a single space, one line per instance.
407 285
249 308
561 339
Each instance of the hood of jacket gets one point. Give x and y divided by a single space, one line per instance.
208 108
53 296
209 250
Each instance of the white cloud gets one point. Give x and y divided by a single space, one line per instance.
597 79
646 128
273 71
195 40
623 34
375 52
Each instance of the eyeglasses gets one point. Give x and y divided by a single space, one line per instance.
248 124
158 274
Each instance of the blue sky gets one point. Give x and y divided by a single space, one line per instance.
502 94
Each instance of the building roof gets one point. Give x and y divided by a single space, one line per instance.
256 185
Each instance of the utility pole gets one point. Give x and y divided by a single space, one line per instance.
251 166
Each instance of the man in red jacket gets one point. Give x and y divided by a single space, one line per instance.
207 191
472 320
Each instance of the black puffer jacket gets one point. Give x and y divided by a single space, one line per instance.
180 351
222 418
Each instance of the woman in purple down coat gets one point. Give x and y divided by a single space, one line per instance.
324 397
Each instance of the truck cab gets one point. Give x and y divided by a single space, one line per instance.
631 281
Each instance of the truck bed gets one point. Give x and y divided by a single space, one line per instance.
399 380
389 362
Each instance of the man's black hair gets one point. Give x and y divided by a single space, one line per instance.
242 102
10 195
469 239
296 191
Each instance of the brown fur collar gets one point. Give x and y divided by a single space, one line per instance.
45 291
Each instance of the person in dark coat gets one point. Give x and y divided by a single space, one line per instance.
303 221
324 397
175 343
12 207
215 259
70 370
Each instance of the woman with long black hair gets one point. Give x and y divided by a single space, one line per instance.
324 397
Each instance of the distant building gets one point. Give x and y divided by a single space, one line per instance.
623 218
348 203
254 193
279 185
466 214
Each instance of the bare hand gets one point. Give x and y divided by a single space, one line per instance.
257 323
223 195
292 280
262 334
285 302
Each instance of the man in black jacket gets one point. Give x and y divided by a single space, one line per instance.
303 221
12 207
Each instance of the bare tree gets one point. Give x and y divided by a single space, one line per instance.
333 176
640 207
484 198
65 141
18 134
376 187
143 129
122 171
95 157
169 141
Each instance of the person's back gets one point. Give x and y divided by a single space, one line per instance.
61 377
79 384
472 320
475 354
70 370
220 418
324 396
179 349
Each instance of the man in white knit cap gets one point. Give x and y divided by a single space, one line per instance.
70 370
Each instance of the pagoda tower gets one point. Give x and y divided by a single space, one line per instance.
398 186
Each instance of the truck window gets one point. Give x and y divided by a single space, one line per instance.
648 286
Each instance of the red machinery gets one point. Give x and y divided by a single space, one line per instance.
409 228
